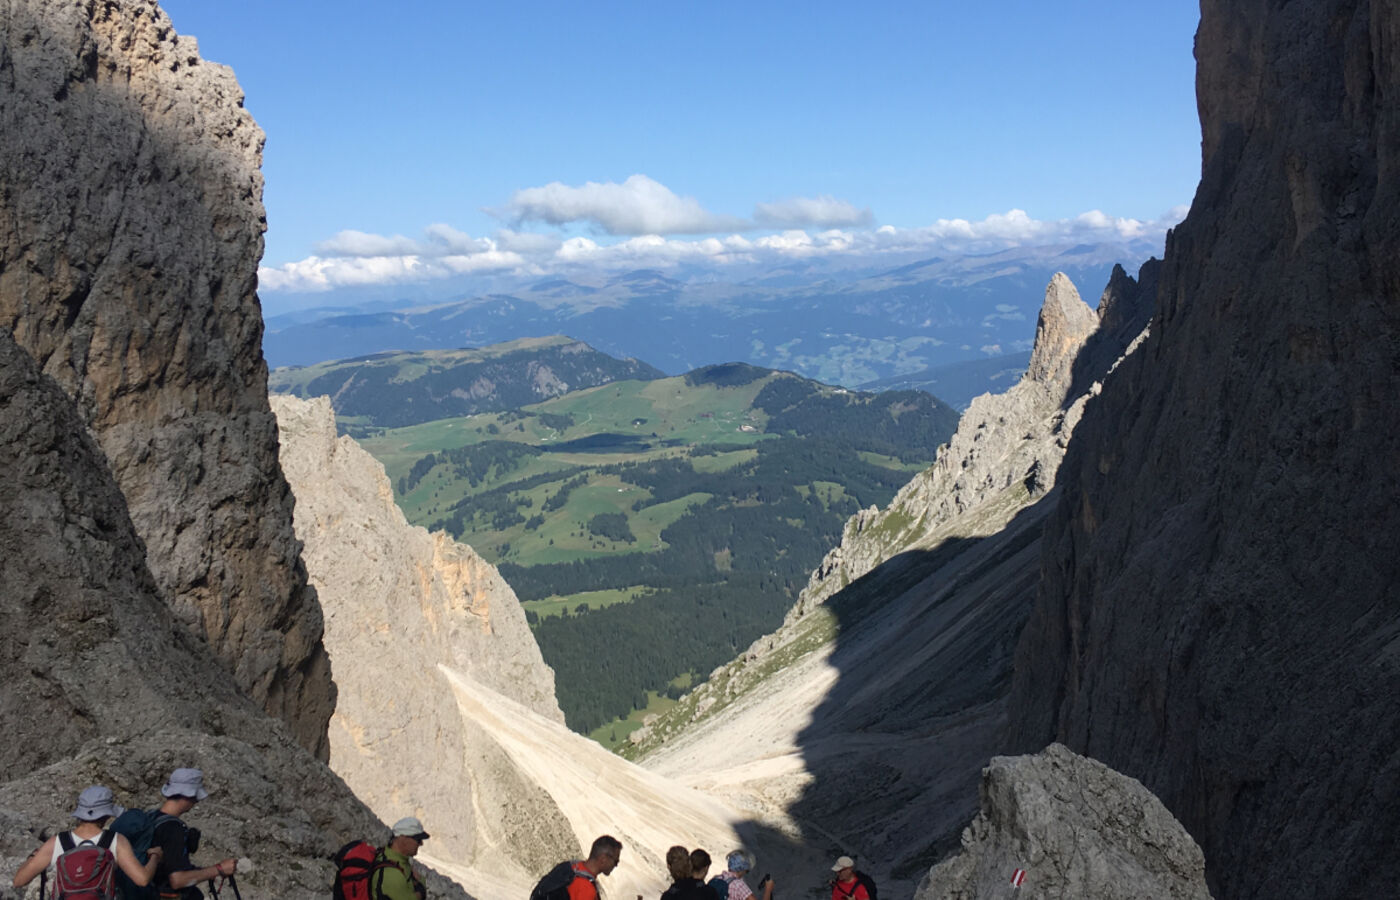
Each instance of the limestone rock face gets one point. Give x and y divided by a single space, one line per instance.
130 232
1062 327
446 709
103 687
1008 446
1080 830
1218 615
413 620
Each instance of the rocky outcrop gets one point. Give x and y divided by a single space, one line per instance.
101 686
1218 615
446 709
1008 446
1063 325
130 231
1078 829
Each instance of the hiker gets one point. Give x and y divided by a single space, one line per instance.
684 884
176 876
849 883
699 864
399 881
90 851
578 880
730 884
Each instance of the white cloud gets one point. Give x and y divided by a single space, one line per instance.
526 242
810 212
317 273
360 258
444 240
637 206
360 243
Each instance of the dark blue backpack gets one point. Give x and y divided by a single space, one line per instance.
138 826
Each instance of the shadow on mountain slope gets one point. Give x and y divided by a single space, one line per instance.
923 656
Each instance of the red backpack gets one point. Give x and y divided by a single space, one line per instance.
354 864
87 870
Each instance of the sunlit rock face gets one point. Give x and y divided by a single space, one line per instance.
1008 446
130 232
1219 615
445 709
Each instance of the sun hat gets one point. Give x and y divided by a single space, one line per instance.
844 862
185 783
95 803
408 826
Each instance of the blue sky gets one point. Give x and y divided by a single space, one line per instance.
499 133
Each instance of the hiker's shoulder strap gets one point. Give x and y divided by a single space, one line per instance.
105 839
65 840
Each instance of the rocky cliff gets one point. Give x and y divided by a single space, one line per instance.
154 609
1219 615
446 709
401 602
1008 446
102 686
1077 830
868 716
130 232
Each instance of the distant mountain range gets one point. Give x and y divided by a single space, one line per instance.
845 328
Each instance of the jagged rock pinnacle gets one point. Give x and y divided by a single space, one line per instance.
1064 324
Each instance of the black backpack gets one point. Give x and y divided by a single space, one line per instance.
868 883
555 884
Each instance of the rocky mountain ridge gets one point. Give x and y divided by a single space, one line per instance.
129 240
1008 446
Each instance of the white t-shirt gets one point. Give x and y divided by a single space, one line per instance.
78 842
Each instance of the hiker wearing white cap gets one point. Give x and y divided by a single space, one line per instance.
850 884
86 858
399 881
730 884
177 876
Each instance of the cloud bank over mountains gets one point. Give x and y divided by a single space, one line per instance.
646 216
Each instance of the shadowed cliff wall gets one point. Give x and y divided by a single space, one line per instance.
1219 613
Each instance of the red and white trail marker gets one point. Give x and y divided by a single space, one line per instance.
1018 878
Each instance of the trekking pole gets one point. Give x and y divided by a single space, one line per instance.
214 888
43 882
233 883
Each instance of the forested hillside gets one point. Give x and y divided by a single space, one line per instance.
655 529
397 388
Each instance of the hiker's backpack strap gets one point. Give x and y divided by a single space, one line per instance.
65 840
